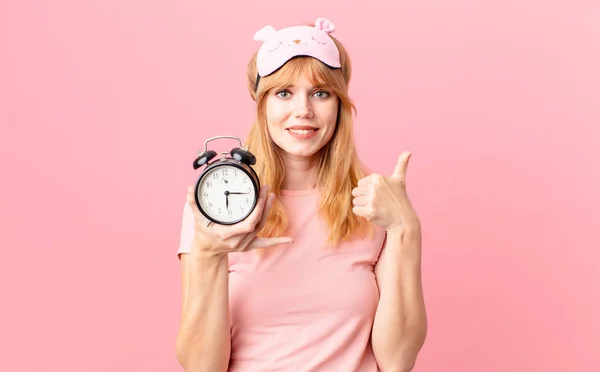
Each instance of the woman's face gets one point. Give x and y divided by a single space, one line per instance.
301 118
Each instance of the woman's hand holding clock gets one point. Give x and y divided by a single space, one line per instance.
217 240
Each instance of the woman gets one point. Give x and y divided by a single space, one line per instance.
325 274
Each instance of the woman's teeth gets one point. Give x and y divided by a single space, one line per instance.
302 131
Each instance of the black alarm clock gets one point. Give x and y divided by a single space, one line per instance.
228 188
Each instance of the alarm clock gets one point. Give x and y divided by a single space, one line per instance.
228 188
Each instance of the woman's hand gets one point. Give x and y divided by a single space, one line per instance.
215 241
384 200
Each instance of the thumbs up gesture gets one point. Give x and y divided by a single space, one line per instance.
384 200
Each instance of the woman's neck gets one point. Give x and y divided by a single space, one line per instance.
301 173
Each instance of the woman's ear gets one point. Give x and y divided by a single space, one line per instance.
264 33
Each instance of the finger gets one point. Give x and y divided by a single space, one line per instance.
365 181
362 211
200 219
360 201
257 213
189 197
401 167
191 200
360 190
249 224
258 243
251 235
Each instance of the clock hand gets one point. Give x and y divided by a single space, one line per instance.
238 193
227 199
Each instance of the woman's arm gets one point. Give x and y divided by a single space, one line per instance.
400 325
204 338
204 341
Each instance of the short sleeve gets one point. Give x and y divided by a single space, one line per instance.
187 230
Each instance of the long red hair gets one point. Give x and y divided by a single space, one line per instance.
339 167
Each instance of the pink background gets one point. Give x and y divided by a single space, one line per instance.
103 105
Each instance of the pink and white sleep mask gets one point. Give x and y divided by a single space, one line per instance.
279 46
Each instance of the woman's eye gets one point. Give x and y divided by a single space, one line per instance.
321 94
283 94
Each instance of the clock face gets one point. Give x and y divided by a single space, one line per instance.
226 194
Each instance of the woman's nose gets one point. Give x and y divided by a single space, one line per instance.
302 108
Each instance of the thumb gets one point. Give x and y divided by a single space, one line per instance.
401 166
258 243
190 199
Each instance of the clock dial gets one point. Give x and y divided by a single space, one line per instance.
226 193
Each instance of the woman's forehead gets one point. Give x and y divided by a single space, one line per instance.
306 73
303 81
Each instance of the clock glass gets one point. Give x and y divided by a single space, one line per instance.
226 194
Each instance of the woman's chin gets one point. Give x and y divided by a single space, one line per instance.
300 151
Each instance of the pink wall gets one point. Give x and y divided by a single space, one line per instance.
104 103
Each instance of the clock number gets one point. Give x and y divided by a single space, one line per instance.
219 211
216 176
244 180
208 184
205 194
225 172
210 204
230 212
